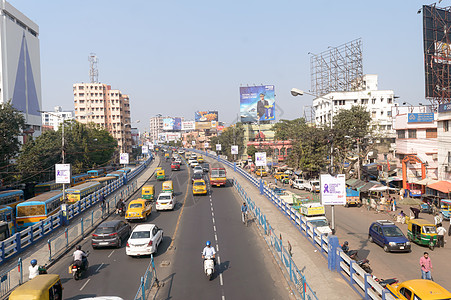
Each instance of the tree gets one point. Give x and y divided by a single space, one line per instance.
289 130
233 135
12 122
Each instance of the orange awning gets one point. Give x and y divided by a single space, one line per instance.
441 186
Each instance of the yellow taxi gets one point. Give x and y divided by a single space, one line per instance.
200 159
261 172
199 187
138 209
277 175
418 289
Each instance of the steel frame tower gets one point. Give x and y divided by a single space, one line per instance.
93 71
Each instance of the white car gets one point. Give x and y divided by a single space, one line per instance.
179 160
299 184
181 151
144 240
194 163
198 169
165 201
312 186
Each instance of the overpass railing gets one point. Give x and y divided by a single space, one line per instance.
362 282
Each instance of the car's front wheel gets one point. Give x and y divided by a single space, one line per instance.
370 238
386 249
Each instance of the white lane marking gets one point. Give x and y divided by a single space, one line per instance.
213 220
216 238
99 267
217 248
212 214
223 298
214 228
219 260
211 208
220 279
111 253
85 284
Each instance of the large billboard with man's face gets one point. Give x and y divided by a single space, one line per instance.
257 103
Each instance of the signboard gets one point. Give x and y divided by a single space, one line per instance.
168 124
420 118
62 173
260 159
206 119
257 103
123 160
144 149
333 189
188 125
169 136
445 107
234 149
193 143
177 124
218 147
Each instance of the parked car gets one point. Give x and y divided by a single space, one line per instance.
165 201
198 169
110 233
300 184
312 186
386 234
144 240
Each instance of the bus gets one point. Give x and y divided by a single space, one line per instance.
11 197
96 173
218 176
37 209
117 174
104 181
82 190
47 187
79 179
7 227
125 170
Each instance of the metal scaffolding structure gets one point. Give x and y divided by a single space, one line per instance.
437 53
339 69
93 71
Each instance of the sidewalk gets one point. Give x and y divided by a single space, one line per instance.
91 216
326 284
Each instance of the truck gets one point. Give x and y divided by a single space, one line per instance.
315 214
352 198
218 177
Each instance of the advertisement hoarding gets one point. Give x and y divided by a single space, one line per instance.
257 103
333 189
168 124
218 147
206 145
62 173
260 159
188 125
206 119
177 124
123 160
420 118
234 149
144 149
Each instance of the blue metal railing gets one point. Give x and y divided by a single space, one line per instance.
147 281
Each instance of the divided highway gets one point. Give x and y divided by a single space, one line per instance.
245 267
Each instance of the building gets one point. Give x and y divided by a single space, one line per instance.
156 127
20 67
444 141
378 102
55 118
108 108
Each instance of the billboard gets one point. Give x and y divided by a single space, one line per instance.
188 125
333 189
206 119
169 136
124 159
172 124
437 52
420 117
234 149
257 103
62 173
260 159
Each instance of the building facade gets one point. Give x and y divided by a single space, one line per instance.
56 117
444 141
156 127
99 104
378 102
20 67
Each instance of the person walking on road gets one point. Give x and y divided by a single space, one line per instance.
426 266
275 181
441 236
437 219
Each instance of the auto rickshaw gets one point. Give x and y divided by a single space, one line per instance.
42 287
160 174
445 208
422 232
166 155
167 186
148 192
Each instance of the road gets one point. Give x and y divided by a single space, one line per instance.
352 225
245 268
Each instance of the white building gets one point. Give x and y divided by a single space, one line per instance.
56 117
156 127
20 66
378 102
444 141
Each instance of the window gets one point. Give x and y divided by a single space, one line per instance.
446 125
389 100
406 293
364 101
373 114
449 157
388 127
373 101
412 133
382 112
401 134
431 133
81 95
389 113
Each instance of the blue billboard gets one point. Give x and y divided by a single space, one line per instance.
257 103
420 118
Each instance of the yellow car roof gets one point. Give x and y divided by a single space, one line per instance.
426 289
199 180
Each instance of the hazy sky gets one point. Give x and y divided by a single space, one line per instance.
176 57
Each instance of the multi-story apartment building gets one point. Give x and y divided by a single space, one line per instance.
156 127
103 106
56 117
20 67
378 102
444 141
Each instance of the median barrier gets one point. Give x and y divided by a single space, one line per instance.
354 275
147 281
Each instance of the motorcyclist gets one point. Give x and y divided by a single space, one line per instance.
120 206
351 253
80 258
33 269
209 252
243 211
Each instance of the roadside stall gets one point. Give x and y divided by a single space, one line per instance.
372 198
382 193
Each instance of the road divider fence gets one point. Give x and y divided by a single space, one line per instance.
147 281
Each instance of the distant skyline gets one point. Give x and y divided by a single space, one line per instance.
175 58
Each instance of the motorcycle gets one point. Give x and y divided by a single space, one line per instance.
209 267
78 267
120 211
384 282
42 269
365 265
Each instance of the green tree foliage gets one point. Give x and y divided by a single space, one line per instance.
289 129
12 122
86 147
233 135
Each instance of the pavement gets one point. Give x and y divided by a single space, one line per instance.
41 253
325 283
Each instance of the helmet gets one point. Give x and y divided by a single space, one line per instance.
244 203
208 243
345 243
33 262
78 247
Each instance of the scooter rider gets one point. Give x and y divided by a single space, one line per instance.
120 206
33 269
351 253
80 258
209 251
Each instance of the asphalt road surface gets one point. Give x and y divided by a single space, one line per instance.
245 267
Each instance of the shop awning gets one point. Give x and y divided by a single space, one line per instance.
380 188
367 186
394 178
358 184
351 181
441 186
426 181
